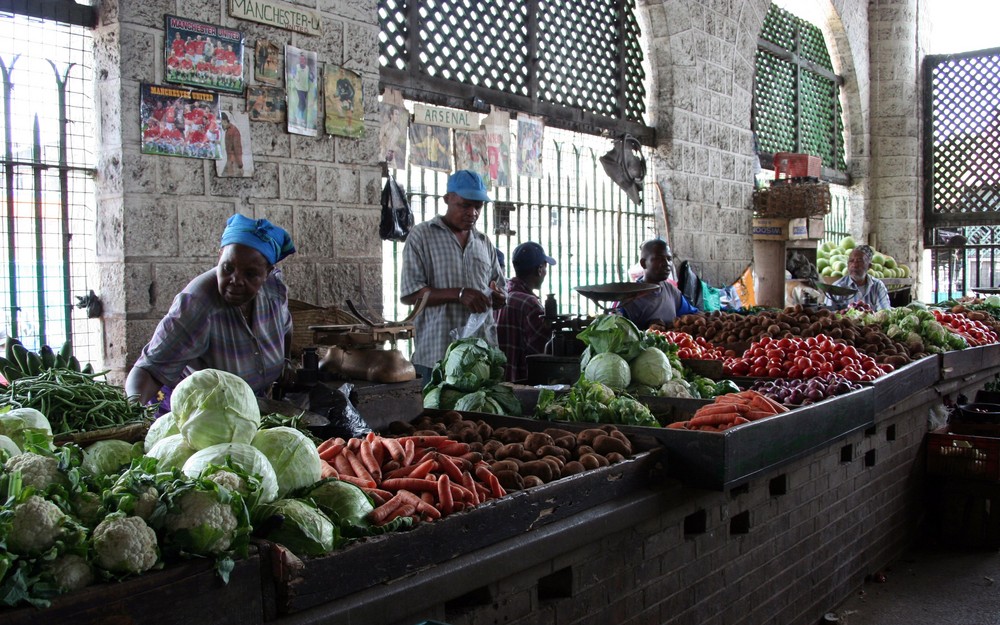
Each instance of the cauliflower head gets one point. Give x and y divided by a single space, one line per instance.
228 479
124 544
35 526
36 470
70 572
200 523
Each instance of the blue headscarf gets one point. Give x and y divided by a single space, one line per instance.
260 234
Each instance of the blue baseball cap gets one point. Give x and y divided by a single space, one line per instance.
530 254
469 185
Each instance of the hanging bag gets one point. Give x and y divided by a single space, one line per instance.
626 166
397 218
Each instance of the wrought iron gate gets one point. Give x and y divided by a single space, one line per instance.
962 171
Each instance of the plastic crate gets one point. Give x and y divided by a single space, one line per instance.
965 450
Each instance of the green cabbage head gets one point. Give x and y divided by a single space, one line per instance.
16 423
292 455
651 368
164 426
303 527
246 457
610 369
171 452
213 407
107 457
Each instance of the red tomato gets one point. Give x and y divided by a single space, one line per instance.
774 372
758 372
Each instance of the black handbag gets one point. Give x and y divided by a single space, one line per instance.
397 218
626 165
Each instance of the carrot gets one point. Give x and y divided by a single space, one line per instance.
354 444
331 451
409 451
778 408
454 448
357 465
395 449
380 515
409 483
322 446
425 441
484 473
753 415
470 485
713 419
420 505
449 467
677 425
357 481
720 409
414 470
445 500
326 469
406 509
343 465
367 457
378 495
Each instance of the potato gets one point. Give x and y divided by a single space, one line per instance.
583 450
513 435
485 430
607 444
510 464
566 442
510 450
558 432
532 480
536 440
591 461
553 450
586 437
510 480
615 458
491 446
572 468
539 468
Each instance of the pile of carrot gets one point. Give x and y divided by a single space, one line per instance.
424 477
729 410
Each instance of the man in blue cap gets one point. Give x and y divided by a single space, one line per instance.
457 267
233 317
522 329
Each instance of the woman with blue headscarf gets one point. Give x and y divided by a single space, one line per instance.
234 317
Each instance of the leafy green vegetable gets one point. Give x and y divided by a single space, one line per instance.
293 457
614 334
162 427
299 525
171 452
16 423
247 458
109 456
213 407
610 369
651 367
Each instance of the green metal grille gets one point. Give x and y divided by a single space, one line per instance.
550 53
796 95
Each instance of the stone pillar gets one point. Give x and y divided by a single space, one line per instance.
895 223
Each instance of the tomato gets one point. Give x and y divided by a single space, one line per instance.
785 343
758 372
794 372
760 361
809 372
887 368
851 375
774 372
775 354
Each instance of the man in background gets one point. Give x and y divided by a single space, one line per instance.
659 307
522 329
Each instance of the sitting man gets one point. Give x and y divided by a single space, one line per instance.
867 289
522 329
662 306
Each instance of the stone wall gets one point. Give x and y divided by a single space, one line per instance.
160 217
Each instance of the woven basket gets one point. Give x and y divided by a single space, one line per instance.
790 201
305 315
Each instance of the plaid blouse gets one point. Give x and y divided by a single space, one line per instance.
432 257
201 331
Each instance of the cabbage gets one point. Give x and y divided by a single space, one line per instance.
992 300
470 363
651 368
213 407
171 452
610 369
300 526
293 457
478 402
109 456
163 427
16 423
8 448
345 504
612 333
247 458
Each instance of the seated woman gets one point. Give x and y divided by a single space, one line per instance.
234 317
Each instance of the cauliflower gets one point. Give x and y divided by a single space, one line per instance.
124 544
201 522
87 507
145 505
35 526
37 471
228 479
70 572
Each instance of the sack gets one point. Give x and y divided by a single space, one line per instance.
626 165
397 218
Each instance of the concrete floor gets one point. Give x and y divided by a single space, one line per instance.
929 585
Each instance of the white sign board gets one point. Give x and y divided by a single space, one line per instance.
436 116
277 14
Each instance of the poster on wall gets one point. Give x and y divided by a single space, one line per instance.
470 152
430 147
302 91
265 104
236 159
178 122
530 131
392 136
268 66
497 126
345 114
203 55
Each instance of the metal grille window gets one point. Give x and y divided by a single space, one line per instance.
47 224
962 170
578 64
574 211
797 95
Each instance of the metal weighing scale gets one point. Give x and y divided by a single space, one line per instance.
614 292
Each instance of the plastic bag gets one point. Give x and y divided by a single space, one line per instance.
711 298
397 218
472 325
337 404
